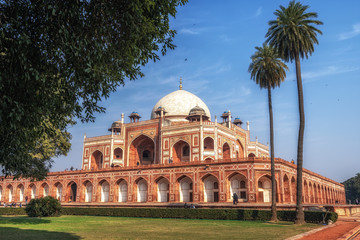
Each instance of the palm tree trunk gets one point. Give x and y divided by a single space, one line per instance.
273 181
300 219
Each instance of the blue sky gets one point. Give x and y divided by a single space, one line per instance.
217 38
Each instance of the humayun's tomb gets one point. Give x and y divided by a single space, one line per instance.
179 155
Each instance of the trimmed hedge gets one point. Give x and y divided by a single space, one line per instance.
221 214
12 211
197 213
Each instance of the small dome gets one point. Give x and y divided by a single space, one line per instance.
115 125
197 111
178 105
237 121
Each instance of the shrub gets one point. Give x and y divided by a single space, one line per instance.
43 207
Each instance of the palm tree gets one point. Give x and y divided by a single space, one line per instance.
293 35
268 71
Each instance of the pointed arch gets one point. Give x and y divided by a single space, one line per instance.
44 189
208 144
210 188
121 190
118 153
97 160
240 153
103 190
141 190
184 188
20 190
180 151
32 190
87 191
293 189
10 192
264 188
142 151
226 151
58 188
237 183
71 191
305 192
287 194
162 189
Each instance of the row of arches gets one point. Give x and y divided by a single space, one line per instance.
312 192
141 190
18 193
142 152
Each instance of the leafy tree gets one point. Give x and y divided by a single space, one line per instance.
352 188
268 71
58 59
293 34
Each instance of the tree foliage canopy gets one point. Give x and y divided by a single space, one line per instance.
352 188
58 59
266 67
293 32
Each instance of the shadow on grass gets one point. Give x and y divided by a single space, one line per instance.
7 233
23 220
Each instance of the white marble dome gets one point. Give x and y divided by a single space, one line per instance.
178 104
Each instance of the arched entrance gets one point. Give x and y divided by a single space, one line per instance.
97 160
238 186
44 190
105 190
10 193
186 189
181 152
32 188
239 149
163 190
1 191
264 189
211 189
305 192
287 196
71 192
226 151
142 190
123 191
21 192
208 144
311 193
88 187
142 151
118 154
251 155
58 189
293 190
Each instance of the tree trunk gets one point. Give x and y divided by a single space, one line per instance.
300 219
273 181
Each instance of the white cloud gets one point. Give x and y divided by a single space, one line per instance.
330 70
258 12
355 31
190 31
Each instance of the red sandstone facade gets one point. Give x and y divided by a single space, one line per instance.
179 155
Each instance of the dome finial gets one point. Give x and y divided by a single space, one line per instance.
180 87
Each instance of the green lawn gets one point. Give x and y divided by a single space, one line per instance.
101 228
